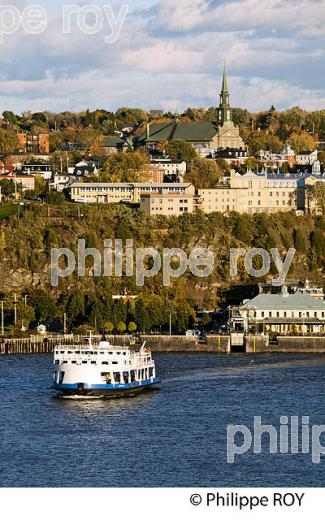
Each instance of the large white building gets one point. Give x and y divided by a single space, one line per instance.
110 193
284 313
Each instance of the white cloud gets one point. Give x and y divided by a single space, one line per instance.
189 15
171 54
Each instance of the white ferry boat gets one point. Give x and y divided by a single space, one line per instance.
103 370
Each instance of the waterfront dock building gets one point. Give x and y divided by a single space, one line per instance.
283 313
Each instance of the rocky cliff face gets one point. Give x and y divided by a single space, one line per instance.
17 280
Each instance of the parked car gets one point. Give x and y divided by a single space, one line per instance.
192 333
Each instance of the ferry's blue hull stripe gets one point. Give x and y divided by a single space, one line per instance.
126 386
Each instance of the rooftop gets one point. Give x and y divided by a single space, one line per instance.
286 301
130 185
196 132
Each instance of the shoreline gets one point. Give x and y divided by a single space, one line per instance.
178 344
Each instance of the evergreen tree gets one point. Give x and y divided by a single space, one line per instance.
76 309
242 230
317 242
299 241
44 305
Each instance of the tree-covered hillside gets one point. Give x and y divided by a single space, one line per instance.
25 251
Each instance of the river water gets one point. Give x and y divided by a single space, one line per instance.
173 437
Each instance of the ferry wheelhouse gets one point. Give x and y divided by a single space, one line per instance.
102 369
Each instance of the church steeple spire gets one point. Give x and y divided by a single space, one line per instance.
224 90
224 111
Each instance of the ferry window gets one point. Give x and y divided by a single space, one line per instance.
124 353
93 362
84 362
102 353
114 363
74 362
105 363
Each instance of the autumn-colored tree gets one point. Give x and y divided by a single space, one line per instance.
204 173
130 117
121 327
8 142
179 150
108 327
195 114
97 150
302 141
126 167
132 327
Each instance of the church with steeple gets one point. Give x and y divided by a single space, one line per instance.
228 133
207 137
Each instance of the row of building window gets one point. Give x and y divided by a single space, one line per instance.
293 314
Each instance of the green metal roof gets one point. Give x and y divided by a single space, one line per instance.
296 301
194 132
113 141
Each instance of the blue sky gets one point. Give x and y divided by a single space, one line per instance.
169 54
